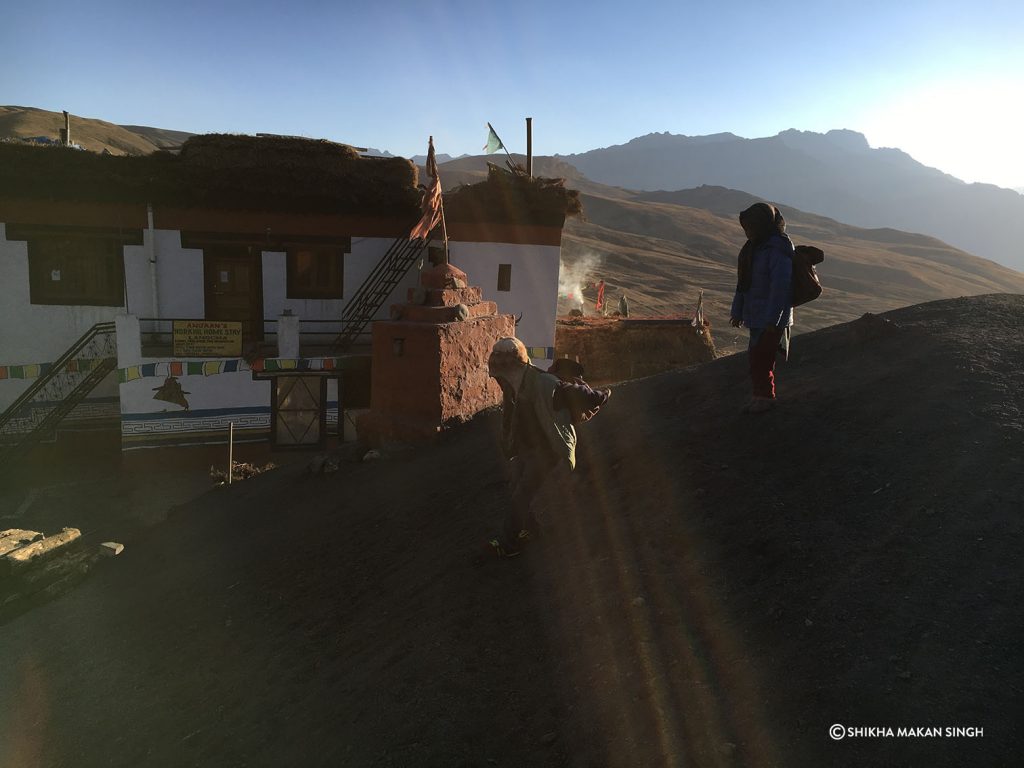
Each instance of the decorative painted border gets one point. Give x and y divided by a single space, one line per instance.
185 439
541 353
180 423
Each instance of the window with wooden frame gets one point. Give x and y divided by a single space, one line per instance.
76 270
315 273
504 277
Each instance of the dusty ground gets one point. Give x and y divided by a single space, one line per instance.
715 589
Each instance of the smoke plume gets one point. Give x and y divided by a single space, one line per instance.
574 277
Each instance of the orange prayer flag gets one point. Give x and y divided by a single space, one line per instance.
432 202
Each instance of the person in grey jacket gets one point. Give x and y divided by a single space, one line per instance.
764 295
537 438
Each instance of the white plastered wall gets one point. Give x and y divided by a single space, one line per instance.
534 283
40 333
358 263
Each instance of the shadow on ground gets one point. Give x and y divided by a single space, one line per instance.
711 588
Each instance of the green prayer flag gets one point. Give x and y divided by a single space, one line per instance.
493 142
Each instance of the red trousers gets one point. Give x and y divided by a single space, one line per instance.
762 363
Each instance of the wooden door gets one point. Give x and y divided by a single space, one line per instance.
234 287
299 411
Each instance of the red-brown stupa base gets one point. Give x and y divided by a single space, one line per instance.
427 376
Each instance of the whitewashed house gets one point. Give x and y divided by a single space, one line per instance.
255 251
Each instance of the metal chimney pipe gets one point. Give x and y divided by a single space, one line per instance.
529 147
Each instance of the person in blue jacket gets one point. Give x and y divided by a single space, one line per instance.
764 296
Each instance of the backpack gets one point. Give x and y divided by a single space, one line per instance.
806 285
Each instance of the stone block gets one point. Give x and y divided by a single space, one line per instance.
15 538
412 313
443 276
111 548
42 549
438 315
444 297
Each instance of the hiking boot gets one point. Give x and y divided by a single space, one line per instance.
759 404
496 548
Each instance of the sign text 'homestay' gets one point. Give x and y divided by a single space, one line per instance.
207 338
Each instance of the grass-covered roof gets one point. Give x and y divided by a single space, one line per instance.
272 173
514 197
219 171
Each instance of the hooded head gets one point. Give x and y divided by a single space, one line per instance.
762 220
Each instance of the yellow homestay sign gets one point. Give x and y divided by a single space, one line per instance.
207 338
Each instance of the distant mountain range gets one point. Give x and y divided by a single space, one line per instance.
836 174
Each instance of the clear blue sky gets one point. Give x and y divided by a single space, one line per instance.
941 80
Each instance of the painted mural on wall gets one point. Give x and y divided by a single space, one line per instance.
195 402
171 392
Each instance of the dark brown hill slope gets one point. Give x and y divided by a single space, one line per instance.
714 589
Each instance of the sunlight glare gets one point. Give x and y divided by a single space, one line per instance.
959 127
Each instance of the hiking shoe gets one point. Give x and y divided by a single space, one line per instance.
496 548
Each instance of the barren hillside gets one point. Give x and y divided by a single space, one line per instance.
712 588
662 248
92 134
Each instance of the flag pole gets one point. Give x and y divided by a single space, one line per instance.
444 230
433 204
444 224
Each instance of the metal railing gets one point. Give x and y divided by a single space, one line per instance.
157 332
378 285
65 384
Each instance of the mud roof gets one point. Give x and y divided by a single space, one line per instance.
274 173
513 197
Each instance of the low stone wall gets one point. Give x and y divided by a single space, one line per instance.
618 349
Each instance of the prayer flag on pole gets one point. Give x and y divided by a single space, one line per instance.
432 210
493 142
698 315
